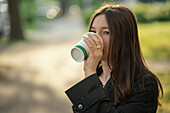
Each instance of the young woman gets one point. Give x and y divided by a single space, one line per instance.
117 79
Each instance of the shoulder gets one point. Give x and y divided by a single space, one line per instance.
147 86
145 80
148 81
144 96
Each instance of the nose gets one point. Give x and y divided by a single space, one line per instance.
99 33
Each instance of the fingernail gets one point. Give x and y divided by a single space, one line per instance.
84 38
88 34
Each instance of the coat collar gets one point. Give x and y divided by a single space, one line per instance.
108 88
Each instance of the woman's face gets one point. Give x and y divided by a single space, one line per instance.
100 27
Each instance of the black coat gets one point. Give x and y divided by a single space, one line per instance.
89 96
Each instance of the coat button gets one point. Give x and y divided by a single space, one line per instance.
80 106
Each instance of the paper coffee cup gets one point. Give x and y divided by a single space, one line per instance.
80 52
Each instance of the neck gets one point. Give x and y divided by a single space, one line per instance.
106 70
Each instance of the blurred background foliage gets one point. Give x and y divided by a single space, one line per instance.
146 11
28 10
153 17
155 38
152 12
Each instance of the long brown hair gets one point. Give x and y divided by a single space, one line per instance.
125 58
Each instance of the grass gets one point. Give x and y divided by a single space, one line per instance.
164 78
155 40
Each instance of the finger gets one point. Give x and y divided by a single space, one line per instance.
96 39
91 42
99 38
87 42
95 34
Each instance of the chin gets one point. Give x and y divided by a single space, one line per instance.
104 58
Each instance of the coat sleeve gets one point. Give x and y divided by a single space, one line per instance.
88 96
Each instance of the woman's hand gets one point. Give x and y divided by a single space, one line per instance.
95 45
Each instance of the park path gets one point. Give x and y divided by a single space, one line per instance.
34 74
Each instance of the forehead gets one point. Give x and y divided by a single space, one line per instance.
100 21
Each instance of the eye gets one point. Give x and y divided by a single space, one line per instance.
106 32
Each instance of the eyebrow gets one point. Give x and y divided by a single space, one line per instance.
102 28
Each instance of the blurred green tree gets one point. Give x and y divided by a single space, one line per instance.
16 32
150 1
28 10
